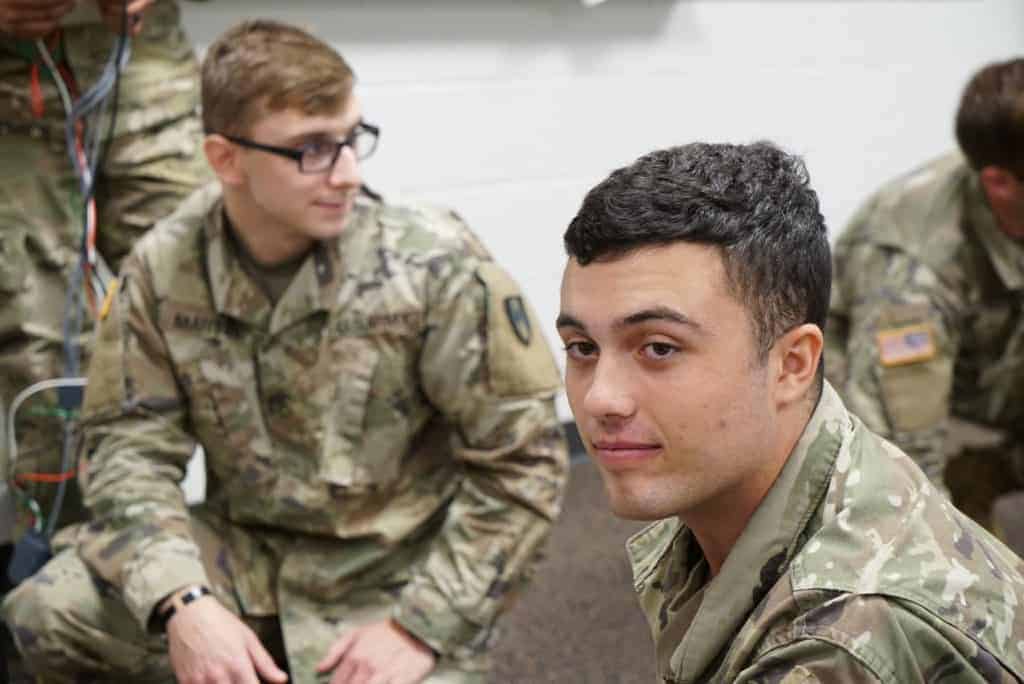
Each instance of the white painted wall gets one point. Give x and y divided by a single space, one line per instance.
509 110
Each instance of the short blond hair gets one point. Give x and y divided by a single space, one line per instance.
261 66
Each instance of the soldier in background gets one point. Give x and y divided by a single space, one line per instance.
794 545
373 395
148 163
928 300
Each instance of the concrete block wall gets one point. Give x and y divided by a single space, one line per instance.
509 110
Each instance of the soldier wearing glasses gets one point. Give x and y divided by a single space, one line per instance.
372 393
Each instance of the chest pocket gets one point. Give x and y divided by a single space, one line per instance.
311 390
288 412
343 459
225 414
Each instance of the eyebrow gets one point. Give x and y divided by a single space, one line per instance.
657 313
321 134
311 136
564 320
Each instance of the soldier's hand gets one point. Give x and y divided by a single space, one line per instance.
378 653
32 18
208 644
113 12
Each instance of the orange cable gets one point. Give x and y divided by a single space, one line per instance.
36 91
46 478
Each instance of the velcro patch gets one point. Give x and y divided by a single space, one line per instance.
108 300
909 344
518 357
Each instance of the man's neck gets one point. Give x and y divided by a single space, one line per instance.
264 244
718 526
1011 225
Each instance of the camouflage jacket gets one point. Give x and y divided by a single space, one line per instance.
852 569
160 82
928 312
396 402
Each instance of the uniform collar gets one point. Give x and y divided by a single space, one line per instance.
757 561
314 288
1005 253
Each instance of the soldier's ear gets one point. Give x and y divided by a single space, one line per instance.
798 355
224 159
1002 187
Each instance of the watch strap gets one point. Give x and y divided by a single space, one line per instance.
179 600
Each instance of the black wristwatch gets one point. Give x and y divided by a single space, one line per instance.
179 600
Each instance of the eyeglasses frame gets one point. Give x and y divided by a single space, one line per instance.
296 153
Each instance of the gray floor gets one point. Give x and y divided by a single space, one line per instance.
579 621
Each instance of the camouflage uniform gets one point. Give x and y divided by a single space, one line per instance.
153 161
852 569
381 441
928 314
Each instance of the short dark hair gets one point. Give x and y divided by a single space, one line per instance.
990 120
754 202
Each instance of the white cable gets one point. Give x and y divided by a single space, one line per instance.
58 78
42 386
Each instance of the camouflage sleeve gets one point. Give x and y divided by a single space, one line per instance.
861 638
486 367
134 454
901 338
809 661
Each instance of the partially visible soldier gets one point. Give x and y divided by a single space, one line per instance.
373 395
152 161
794 546
928 299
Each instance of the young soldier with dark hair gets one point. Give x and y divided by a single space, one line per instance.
792 544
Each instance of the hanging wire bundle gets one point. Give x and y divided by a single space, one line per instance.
85 142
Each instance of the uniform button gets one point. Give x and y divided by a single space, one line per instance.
277 402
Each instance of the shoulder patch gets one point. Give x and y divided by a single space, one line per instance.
515 310
907 344
518 358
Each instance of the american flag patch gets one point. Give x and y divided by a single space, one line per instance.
910 344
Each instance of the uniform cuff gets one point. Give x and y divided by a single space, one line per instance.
426 614
151 581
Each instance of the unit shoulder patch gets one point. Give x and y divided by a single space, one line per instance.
515 310
518 358
907 344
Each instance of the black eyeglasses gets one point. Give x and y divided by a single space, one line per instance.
318 156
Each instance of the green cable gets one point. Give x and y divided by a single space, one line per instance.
32 505
53 412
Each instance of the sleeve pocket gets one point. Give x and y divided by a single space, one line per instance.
917 395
